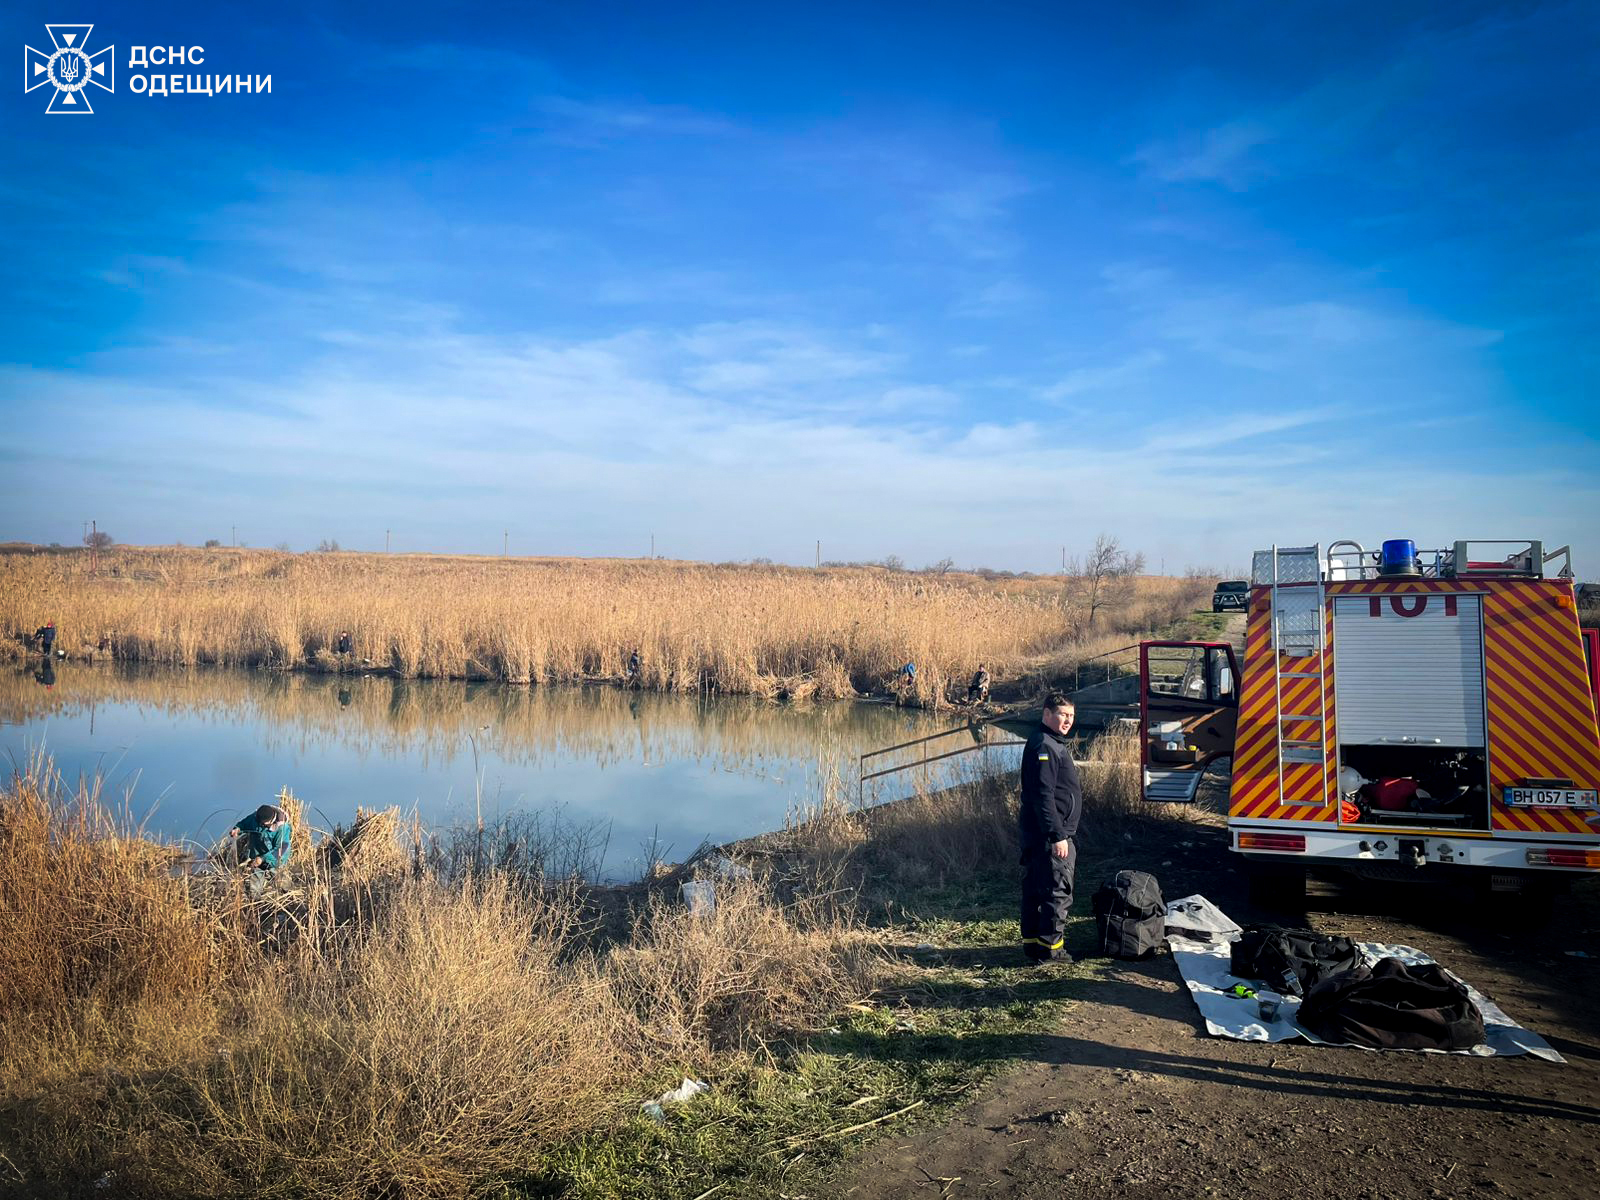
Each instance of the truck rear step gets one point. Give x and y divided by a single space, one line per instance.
1172 787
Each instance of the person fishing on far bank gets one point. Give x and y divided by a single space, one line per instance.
1052 799
264 845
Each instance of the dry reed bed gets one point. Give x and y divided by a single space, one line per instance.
738 629
380 1027
394 1025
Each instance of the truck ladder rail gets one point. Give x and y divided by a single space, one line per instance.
1298 606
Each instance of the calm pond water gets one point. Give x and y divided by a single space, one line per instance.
640 773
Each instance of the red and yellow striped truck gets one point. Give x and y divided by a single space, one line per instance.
1396 712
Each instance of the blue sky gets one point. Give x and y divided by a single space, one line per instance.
927 280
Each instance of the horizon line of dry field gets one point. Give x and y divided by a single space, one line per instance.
827 633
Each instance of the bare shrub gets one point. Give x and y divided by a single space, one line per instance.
941 837
726 979
370 1029
93 912
445 1046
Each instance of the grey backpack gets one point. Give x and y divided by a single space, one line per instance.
1130 914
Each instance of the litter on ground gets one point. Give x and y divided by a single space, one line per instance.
687 1090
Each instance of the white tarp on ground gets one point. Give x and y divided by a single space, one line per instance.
1204 967
1199 920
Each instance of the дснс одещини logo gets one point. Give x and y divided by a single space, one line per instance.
70 70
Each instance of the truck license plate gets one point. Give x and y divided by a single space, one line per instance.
1545 797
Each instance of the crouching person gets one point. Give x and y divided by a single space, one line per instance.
1051 801
264 846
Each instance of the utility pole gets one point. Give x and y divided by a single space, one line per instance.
94 549
86 531
652 546
386 541
1063 560
235 537
505 547
819 554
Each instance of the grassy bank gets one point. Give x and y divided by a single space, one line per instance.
738 629
407 1017
416 1018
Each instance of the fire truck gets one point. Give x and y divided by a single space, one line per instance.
1398 715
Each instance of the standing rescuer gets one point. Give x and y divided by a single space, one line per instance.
1051 801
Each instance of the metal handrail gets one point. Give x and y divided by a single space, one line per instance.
1077 671
1359 566
922 762
932 737
862 775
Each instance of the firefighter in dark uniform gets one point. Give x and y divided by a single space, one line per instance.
1051 801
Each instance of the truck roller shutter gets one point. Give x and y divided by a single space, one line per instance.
1408 667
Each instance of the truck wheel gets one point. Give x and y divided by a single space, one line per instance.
1535 905
1277 886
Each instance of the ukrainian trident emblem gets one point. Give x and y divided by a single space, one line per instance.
70 69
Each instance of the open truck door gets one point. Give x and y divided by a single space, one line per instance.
1188 714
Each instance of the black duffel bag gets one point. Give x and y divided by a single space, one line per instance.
1130 915
1291 961
1391 1006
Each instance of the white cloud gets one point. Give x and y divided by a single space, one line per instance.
1301 339
1098 379
590 440
997 299
574 122
1219 155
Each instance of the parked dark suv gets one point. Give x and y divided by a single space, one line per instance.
1230 595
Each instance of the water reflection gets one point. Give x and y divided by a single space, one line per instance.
667 767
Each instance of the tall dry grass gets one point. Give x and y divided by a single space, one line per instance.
93 912
966 832
372 1028
745 630
399 1020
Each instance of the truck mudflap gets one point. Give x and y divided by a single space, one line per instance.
1292 841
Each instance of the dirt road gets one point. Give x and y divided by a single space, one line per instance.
1130 1097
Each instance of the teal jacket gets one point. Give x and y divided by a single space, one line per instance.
271 846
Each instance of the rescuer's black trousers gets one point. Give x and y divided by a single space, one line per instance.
1046 897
